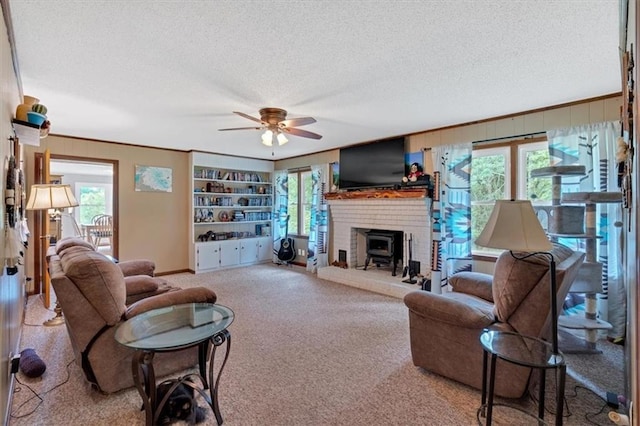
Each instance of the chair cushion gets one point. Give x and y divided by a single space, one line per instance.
517 275
101 233
67 242
100 281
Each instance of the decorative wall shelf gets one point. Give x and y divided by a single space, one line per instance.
27 133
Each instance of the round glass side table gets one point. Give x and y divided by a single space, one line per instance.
170 329
527 352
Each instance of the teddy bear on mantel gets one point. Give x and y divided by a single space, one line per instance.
414 173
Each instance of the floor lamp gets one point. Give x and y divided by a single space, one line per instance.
514 226
45 197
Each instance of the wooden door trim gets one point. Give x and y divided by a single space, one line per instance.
38 216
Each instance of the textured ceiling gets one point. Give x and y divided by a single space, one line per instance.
170 73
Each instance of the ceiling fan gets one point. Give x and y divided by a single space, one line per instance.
274 122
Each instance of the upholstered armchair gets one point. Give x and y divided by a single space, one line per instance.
139 274
445 328
92 292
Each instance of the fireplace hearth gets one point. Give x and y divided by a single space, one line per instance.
384 247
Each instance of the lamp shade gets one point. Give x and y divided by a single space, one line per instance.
282 139
50 196
267 138
513 225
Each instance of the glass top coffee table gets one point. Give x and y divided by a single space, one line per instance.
170 329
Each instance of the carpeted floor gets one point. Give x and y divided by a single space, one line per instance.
304 352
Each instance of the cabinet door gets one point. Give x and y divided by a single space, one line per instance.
229 253
208 256
248 251
265 251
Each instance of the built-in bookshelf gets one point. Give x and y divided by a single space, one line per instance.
232 211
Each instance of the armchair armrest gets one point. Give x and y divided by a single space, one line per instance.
143 286
140 284
473 283
178 297
137 267
456 309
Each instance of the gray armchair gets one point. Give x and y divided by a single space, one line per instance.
445 328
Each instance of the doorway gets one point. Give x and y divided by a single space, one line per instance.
94 183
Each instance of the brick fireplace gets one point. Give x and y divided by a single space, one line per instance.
352 218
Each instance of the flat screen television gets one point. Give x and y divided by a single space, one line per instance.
377 164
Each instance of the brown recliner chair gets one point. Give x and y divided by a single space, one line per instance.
139 274
445 328
92 292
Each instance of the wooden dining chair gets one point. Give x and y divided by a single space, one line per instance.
102 229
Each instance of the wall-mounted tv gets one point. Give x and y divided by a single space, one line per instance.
377 164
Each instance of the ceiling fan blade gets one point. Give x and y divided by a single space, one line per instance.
303 133
295 122
241 128
242 114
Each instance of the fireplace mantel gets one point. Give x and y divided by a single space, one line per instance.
378 193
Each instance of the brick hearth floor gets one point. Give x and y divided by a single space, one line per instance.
377 280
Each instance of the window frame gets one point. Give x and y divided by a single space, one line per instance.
515 155
523 150
108 207
303 204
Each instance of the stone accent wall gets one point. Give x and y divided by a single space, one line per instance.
351 217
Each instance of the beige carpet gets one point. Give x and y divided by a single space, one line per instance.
304 352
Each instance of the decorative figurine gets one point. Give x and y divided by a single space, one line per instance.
414 173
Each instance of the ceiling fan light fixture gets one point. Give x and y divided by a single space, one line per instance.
267 138
274 121
282 139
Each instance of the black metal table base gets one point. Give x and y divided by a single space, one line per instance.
486 407
145 381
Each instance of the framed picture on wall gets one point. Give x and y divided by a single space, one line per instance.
153 179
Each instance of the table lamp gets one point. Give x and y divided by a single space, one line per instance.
52 196
514 226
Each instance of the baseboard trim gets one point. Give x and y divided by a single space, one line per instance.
179 271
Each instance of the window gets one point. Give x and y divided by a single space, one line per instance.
299 202
533 156
495 176
490 181
93 199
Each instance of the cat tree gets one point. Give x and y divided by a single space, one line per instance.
573 215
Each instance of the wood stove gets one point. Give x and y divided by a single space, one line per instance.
384 247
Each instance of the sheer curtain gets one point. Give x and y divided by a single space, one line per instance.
594 146
451 216
317 253
281 208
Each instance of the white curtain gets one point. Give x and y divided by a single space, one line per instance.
317 253
281 207
451 216
594 146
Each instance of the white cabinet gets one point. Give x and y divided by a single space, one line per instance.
207 256
265 249
216 254
231 204
256 250
248 251
229 253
